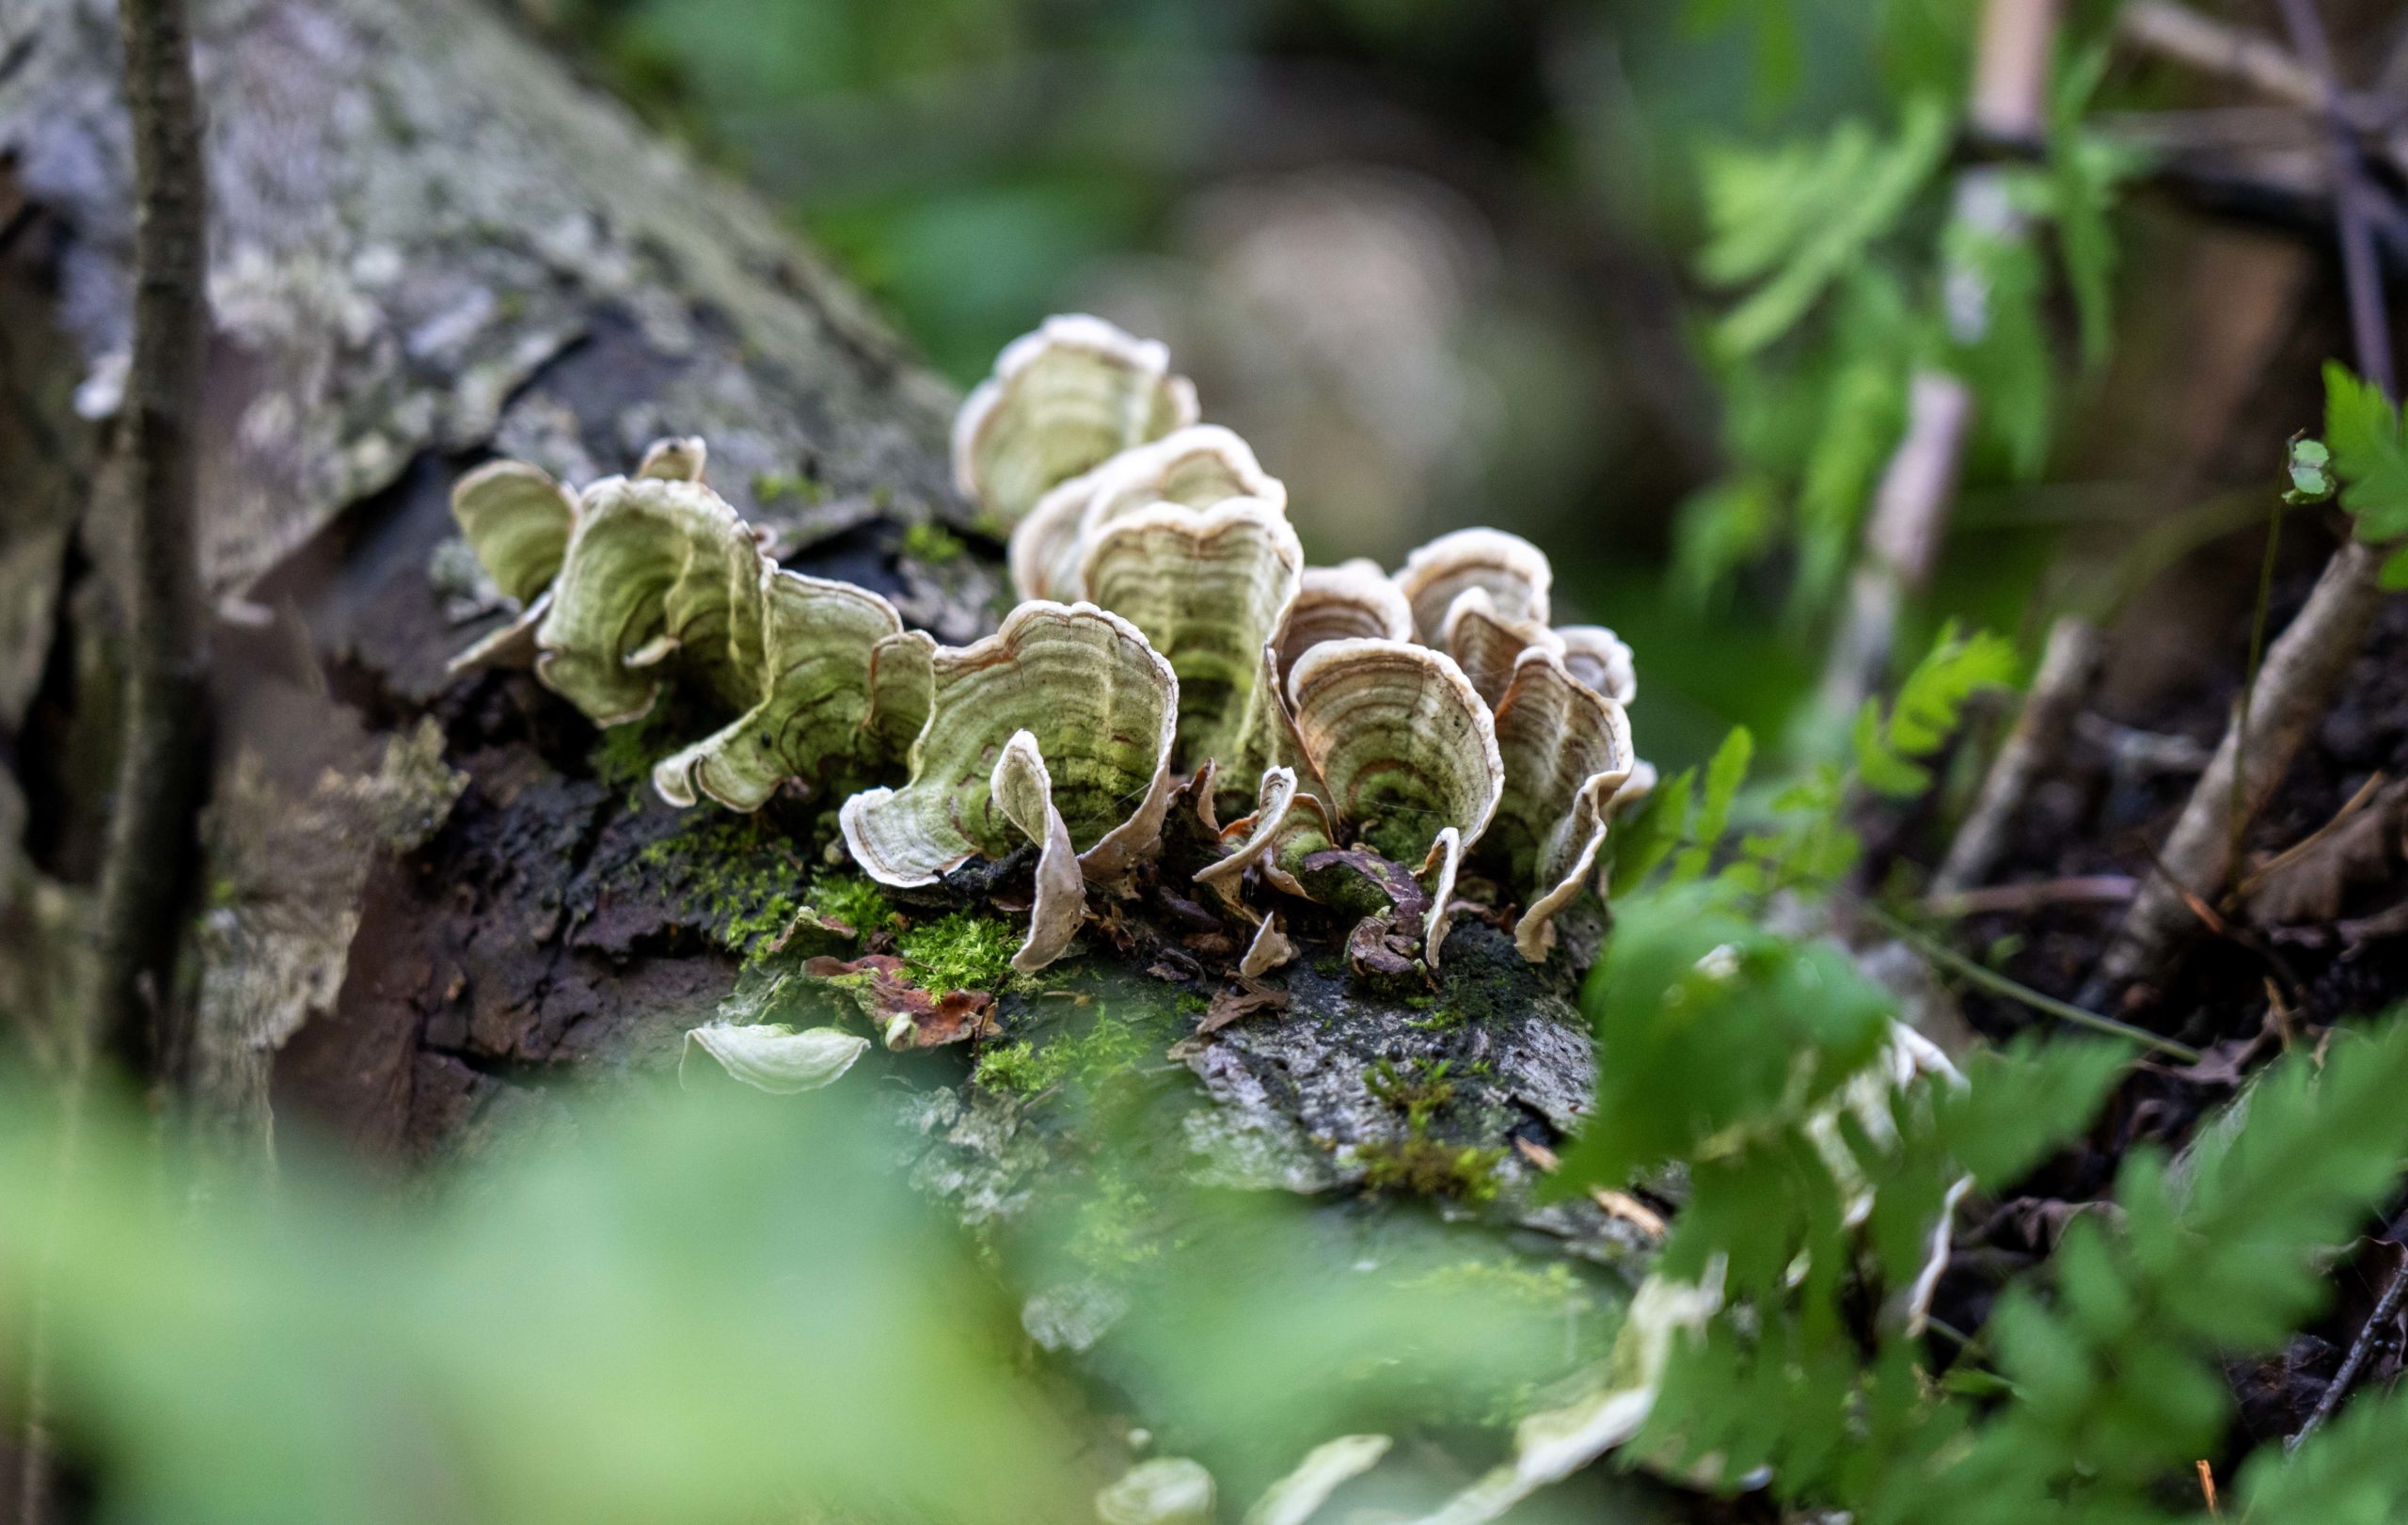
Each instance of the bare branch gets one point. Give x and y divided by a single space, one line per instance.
160 768
1918 486
2040 731
2306 660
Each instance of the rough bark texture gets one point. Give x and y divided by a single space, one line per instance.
430 899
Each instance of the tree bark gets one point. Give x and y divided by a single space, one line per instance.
429 898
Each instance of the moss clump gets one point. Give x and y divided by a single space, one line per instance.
1418 1089
963 951
733 872
1117 1228
1019 1068
1427 1167
622 755
1111 1047
853 901
1418 1163
932 543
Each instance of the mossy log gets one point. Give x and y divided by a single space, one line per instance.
429 900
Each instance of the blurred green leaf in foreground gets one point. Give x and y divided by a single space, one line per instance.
717 1307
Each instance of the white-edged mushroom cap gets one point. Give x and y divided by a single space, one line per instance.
1402 743
818 637
1600 659
517 521
1486 645
1102 708
1515 572
1062 400
1567 749
1198 466
653 568
1352 601
1207 588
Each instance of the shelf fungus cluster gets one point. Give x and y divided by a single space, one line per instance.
1380 740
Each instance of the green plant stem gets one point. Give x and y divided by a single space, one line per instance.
1998 984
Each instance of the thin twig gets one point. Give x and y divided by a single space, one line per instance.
2353 196
144 872
2387 1308
2184 35
2078 889
2306 662
2066 668
1998 984
2215 47
160 767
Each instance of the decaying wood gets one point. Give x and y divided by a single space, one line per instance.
427 243
428 898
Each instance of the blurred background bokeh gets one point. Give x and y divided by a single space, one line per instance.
1435 260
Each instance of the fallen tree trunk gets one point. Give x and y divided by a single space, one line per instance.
429 898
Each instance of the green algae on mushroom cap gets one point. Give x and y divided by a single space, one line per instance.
1515 572
1102 707
1061 401
517 521
1567 751
813 714
1207 589
655 569
1198 467
1405 750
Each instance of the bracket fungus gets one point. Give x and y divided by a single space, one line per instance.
655 568
1207 589
1406 752
1099 709
517 521
1514 572
1061 401
1200 468
1566 750
1597 658
818 708
1389 726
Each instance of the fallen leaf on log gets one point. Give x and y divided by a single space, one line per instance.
1237 1005
906 1016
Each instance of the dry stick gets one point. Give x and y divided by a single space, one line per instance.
1911 505
2306 660
135 920
2387 1308
2179 32
160 769
2066 667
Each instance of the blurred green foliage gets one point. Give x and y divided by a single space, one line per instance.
721 1306
1817 1168
976 163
